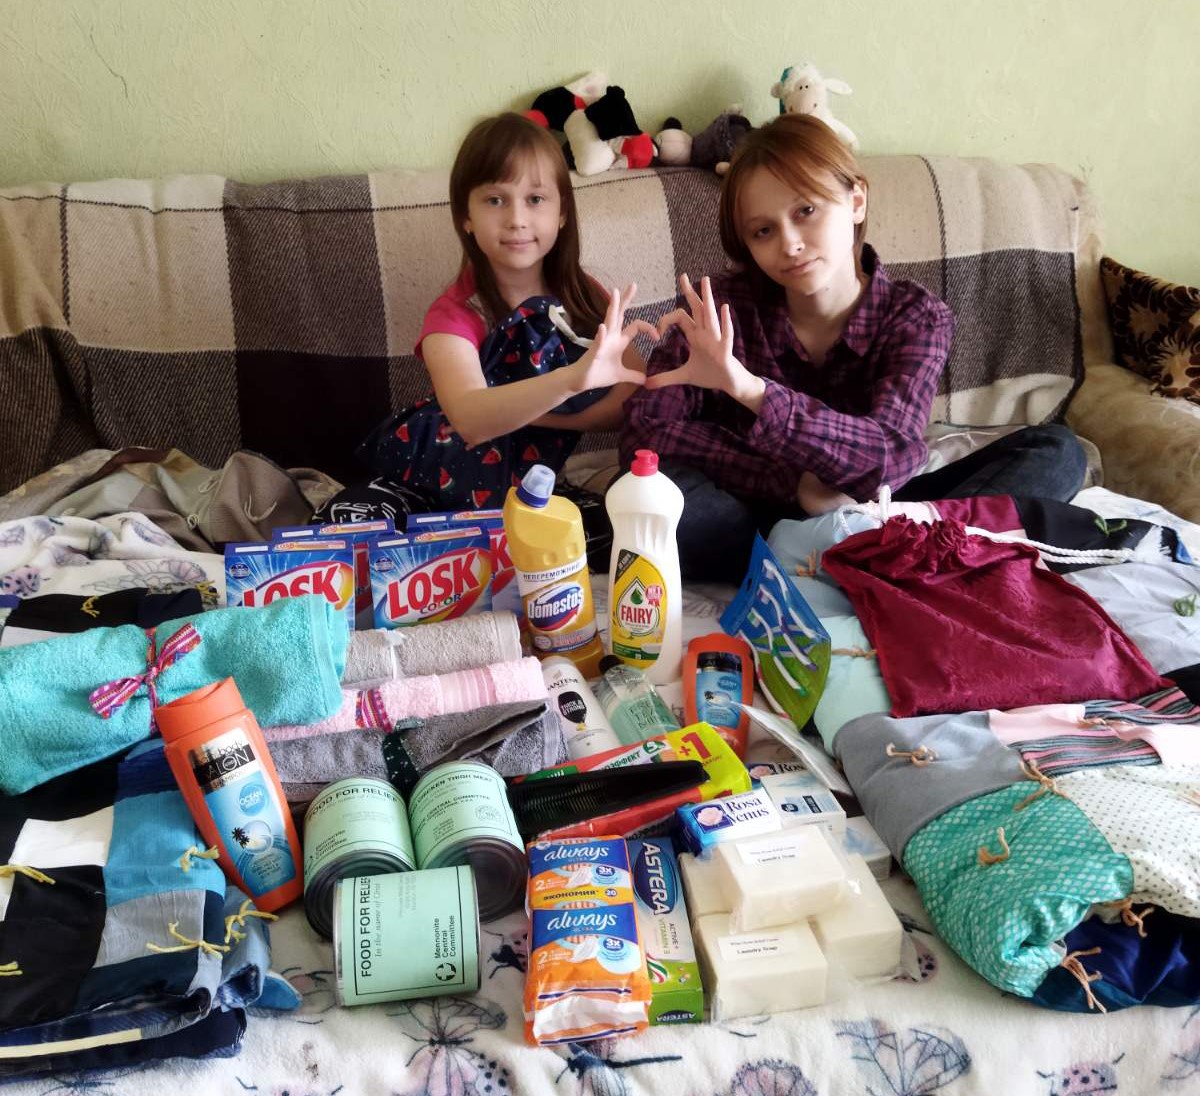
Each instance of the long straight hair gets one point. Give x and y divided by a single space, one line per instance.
801 151
495 151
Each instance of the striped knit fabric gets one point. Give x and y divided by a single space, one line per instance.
1099 745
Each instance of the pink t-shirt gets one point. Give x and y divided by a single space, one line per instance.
454 314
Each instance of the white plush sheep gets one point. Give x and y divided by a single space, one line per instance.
803 90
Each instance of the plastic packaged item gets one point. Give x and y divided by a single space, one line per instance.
718 677
803 800
587 971
548 549
815 759
724 771
631 703
861 839
645 592
663 925
702 885
704 826
543 806
862 932
585 727
224 770
749 973
790 645
781 878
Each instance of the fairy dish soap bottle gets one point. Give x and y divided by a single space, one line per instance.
644 589
548 549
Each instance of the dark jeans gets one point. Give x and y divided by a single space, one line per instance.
716 532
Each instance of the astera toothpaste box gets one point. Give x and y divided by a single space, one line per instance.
677 993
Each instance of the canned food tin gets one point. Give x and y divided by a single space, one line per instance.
459 813
405 935
357 826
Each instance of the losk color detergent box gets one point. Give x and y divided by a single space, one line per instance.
505 594
257 574
662 917
359 534
439 574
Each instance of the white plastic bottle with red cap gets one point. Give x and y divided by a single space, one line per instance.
645 593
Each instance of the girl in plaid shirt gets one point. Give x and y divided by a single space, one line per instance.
804 381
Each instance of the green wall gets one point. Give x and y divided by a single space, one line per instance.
260 89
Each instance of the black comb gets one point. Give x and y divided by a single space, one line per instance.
552 802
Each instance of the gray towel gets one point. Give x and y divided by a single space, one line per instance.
514 739
384 654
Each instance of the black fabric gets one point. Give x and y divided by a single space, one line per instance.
70 613
1079 529
1188 680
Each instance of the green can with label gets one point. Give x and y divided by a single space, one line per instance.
405 935
356 826
460 814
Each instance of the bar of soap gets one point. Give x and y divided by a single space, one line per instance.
860 837
781 878
703 826
862 932
750 973
802 800
702 886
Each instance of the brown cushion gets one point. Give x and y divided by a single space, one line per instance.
1156 328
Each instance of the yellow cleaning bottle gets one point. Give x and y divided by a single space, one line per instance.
548 549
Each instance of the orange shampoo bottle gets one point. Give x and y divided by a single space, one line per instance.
220 760
718 677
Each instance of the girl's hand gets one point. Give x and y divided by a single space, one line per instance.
602 365
710 362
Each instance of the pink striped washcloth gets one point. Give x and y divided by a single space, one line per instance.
437 694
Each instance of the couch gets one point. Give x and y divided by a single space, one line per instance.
211 315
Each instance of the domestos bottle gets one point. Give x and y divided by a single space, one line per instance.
644 588
220 761
548 550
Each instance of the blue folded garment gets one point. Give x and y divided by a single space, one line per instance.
286 657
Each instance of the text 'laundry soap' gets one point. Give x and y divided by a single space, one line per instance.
548 549
644 588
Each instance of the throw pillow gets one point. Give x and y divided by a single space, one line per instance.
1156 328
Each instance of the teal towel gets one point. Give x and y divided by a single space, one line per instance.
287 659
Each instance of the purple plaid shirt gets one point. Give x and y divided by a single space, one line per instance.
856 421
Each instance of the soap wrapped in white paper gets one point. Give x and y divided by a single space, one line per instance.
703 887
781 878
862 932
755 972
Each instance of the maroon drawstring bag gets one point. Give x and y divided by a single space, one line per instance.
961 623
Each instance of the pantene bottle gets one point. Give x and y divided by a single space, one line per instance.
220 761
644 587
549 553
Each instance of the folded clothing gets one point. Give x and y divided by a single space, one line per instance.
67 614
381 654
286 657
421 697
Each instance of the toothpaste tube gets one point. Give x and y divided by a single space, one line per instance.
438 574
702 826
587 972
699 742
359 534
257 574
505 594
662 917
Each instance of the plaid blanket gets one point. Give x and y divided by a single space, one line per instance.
211 315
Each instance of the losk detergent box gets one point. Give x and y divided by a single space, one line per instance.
677 993
257 574
439 574
505 594
359 534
